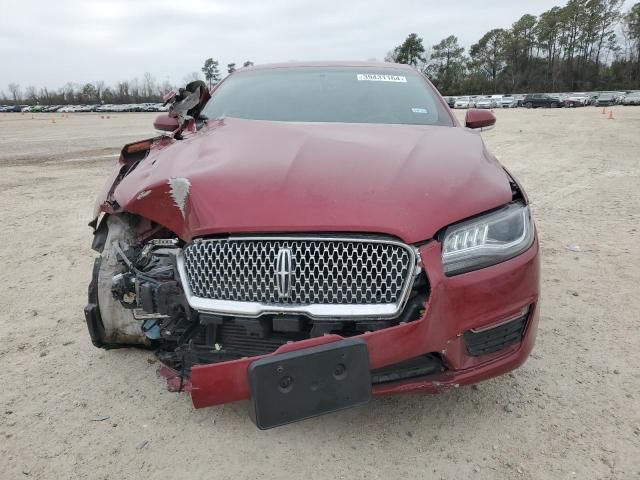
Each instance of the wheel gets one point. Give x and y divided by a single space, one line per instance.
528 105
554 105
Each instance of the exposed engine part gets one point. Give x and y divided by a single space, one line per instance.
120 326
150 284
123 278
123 289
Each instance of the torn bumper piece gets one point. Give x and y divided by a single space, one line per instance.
220 383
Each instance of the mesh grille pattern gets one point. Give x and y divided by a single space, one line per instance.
323 271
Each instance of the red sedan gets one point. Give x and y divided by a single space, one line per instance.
306 236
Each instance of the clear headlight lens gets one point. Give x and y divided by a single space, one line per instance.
487 240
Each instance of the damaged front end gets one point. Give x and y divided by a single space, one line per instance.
300 264
133 290
144 292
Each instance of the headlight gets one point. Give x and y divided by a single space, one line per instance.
487 240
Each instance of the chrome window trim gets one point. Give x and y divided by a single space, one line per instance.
315 311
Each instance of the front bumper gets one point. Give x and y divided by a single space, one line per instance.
456 305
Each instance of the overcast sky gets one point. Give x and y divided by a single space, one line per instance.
51 42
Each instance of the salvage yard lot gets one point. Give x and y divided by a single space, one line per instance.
69 410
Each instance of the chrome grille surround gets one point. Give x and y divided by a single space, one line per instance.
331 277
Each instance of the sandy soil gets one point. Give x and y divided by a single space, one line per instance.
69 410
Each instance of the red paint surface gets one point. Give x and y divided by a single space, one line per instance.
475 118
165 123
256 176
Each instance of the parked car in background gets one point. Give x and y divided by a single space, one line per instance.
451 101
132 107
498 100
606 100
486 102
632 99
508 101
464 102
536 100
519 98
576 100
619 97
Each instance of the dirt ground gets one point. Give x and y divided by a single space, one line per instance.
69 410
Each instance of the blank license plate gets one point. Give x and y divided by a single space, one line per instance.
305 383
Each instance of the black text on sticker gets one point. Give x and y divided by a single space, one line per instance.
375 77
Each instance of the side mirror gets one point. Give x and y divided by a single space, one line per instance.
479 119
165 123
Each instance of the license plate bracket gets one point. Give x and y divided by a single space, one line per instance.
309 382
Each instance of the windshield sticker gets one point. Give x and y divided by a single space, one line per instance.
376 77
419 110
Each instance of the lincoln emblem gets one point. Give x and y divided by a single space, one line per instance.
283 272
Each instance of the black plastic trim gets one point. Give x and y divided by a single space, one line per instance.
497 338
416 367
92 311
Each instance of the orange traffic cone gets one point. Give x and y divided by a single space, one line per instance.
611 115
108 117
102 117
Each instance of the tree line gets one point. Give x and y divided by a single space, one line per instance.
144 90
585 45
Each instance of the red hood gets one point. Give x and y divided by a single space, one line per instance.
256 176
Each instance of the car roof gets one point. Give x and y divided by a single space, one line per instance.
359 64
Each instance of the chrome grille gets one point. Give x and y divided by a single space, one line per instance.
322 271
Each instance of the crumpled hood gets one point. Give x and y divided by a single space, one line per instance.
241 176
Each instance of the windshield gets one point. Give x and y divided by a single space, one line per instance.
464 99
329 94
